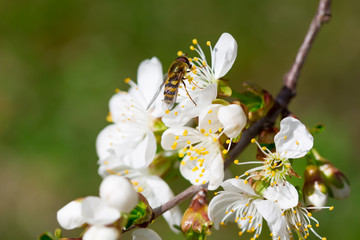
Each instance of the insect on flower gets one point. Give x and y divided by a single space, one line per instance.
176 73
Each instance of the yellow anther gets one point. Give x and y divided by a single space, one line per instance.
297 143
232 210
206 134
208 43
196 180
215 193
203 170
253 140
209 121
210 131
188 153
220 129
331 208
202 130
173 147
246 181
237 177
185 132
192 48
210 111
247 204
190 59
188 142
324 238
263 148
283 214
226 212
228 141
135 183
271 234
195 169
106 162
196 59
140 189
109 118
167 111
317 225
225 151
127 80
183 163
194 41
182 105
117 90
193 88
309 226
201 175
176 113
236 161
176 137
126 171
214 139
309 214
294 211
180 53
204 63
181 155
240 233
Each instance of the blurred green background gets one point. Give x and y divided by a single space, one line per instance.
60 62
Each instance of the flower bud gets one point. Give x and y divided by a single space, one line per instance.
337 182
314 189
233 118
118 193
70 216
99 232
196 223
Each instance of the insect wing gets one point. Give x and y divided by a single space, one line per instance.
157 92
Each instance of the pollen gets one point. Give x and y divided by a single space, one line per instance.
176 137
167 111
246 181
117 90
180 53
214 139
127 80
196 59
185 132
188 142
192 48
228 141
210 111
135 183
331 208
193 88
225 151
236 161
215 193
263 148
194 41
196 180
181 155
209 121
237 177
297 143
202 130
140 189
253 140
309 214
204 63
208 43
210 131
203 170
176 113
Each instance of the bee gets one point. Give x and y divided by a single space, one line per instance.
175 74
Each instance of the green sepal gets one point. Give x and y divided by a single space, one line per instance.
194 235
142 213
223 88
220 101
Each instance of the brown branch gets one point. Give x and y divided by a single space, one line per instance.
281 102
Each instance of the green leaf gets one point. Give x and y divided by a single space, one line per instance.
140 214
252 101
47 236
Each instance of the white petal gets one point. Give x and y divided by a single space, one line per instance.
317 198
158 192
96 212
118 193
239 186
208 118
145 234
219 205
186 110
70 216
213 165
284 194
233 119
149 77
293 140
134 146
223 55
184 133
273 215
101 233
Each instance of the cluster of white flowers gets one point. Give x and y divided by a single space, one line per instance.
129 145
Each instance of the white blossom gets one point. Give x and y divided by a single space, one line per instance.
200 148
293 141
145 234
202 86
99 232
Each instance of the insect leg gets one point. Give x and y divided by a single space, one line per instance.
188 92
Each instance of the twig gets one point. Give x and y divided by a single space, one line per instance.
281 102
